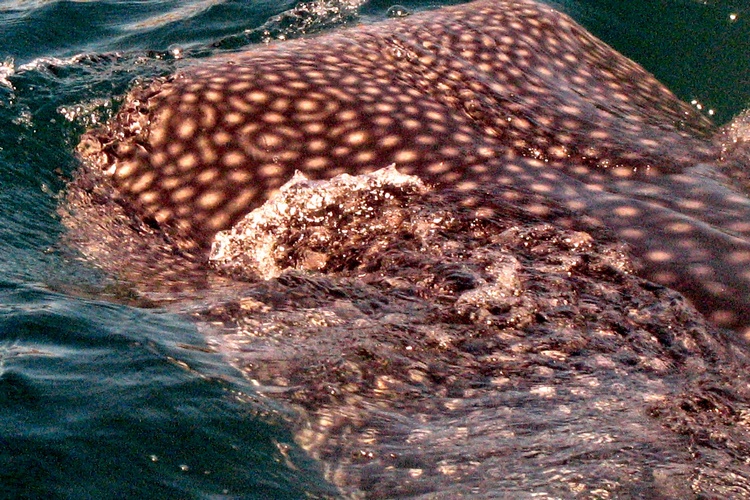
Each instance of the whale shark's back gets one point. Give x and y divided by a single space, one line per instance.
448 94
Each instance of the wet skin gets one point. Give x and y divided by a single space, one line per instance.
490 92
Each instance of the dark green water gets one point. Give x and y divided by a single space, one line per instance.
105 400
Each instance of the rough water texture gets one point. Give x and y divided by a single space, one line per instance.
494 323
509 93
483 344
477 339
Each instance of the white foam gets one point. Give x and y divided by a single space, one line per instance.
7 69
251 246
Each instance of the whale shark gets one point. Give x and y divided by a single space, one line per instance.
492 92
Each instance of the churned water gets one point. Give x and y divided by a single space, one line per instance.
105 397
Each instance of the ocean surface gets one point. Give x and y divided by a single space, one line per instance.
101 398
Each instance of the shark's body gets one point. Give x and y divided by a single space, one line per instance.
491 92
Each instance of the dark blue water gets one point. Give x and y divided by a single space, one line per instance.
105 399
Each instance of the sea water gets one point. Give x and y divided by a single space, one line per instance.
105 396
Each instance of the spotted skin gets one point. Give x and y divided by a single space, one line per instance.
510 92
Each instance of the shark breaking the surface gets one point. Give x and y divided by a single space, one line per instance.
491 92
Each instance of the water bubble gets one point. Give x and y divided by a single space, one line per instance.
397 11
176 51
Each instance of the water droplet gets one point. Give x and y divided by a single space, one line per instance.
176 51
397 11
